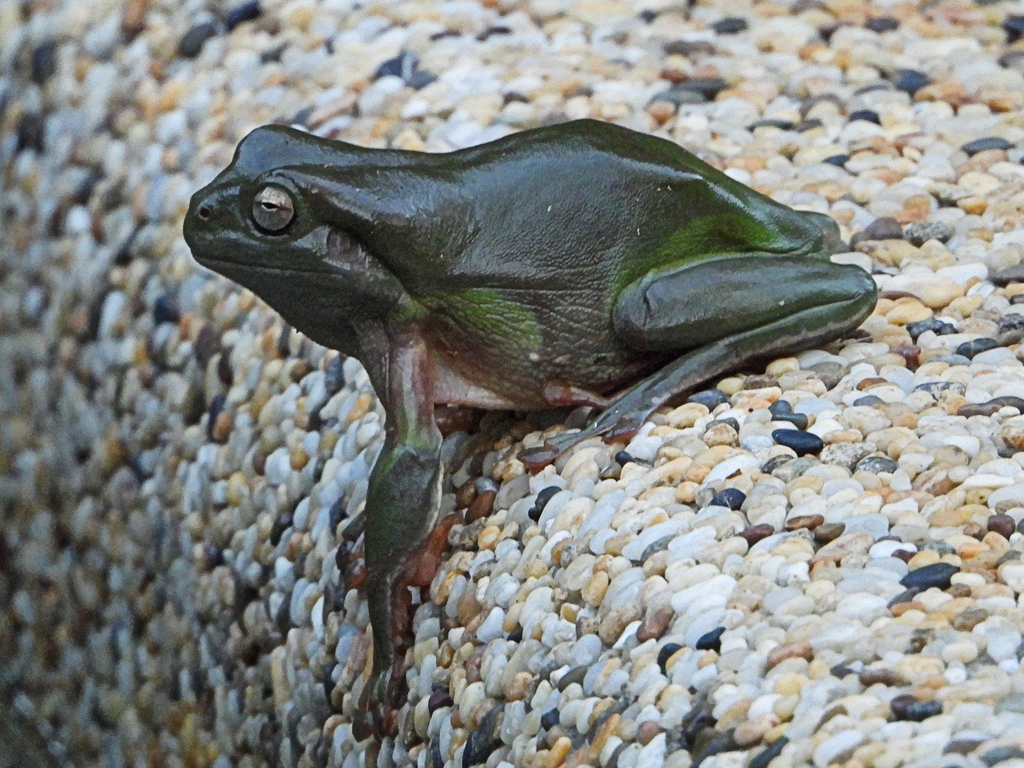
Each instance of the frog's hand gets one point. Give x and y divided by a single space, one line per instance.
722 313
401 505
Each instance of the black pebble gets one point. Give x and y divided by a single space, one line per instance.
712 641
622 458
483 739
730 497
31 127
906 707
989 142
798 420
666 652
780 407
406 65
242 13
927 576
216 406
337 512
205 345
281 524
882 24
865 114
165 310
932 324
883 228
693 91
801 442
191 42
542 501
971 348
44 62
773 750
869 400
839 160
574 675
774 463
1014 26
730 25
549 718
334 376
712 398
785 125
910 80
877 464
808 125
225 372
516 635
647 16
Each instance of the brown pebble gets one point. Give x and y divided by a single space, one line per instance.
977 409
903 554
804 521
646 731
654 625
909 352
828 532
879 675
481 506
959 590
1002 524
755 533
974 530
465 494
801 650
969 618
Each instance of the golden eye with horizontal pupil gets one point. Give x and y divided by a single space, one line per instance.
272 208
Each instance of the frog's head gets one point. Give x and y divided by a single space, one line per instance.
258 224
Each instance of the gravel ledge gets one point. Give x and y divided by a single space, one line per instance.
817 563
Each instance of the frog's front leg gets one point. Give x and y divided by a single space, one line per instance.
402 502
720 314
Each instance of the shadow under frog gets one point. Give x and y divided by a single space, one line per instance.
581 263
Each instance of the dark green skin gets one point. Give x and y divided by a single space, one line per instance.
554 266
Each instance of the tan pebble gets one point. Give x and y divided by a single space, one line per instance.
900 608
966 305
673 471
911 312
939 295
686 415
359 408
612 626
782 365
801 650
647 730
696 473
721 434
731 385
790 684
488 537
784 708
842 436
593 591
299 459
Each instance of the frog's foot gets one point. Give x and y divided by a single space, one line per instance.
611 431
385 692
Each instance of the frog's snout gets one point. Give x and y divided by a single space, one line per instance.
833 240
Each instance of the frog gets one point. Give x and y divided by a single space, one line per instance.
575 264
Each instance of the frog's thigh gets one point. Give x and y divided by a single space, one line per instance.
692 306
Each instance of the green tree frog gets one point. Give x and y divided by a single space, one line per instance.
580 263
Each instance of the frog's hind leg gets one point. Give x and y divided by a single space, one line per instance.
720 314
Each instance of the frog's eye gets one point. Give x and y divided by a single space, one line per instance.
273 209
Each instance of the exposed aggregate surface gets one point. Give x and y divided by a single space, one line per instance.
178 468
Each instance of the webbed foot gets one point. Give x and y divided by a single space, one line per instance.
385 692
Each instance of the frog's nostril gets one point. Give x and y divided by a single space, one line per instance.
203 212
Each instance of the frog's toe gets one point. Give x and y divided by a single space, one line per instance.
535 459
377 707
